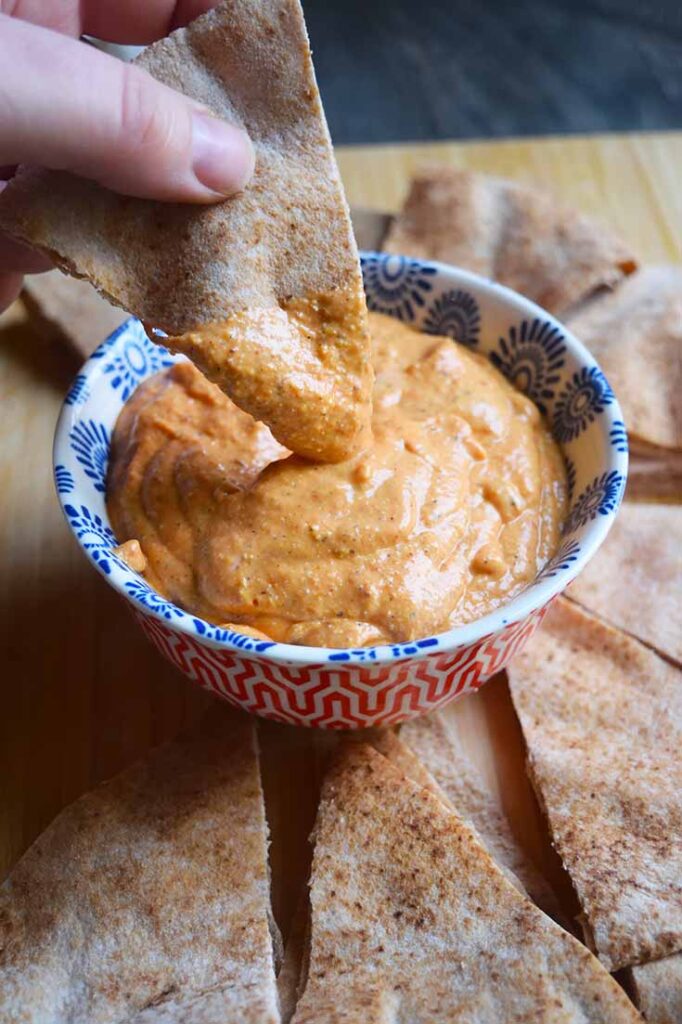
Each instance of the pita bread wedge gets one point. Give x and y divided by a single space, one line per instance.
602 718
413 921
635 579
148 898
516 234
657 989
69 311
635 335
428 753
273 270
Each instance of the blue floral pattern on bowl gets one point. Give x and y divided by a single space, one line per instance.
531 357
90 442
456 315
534 351
129 358
397 285
585 395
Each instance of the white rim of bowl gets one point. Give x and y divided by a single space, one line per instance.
530 600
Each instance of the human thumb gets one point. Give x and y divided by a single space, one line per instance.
67 106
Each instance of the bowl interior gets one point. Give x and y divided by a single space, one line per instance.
527 345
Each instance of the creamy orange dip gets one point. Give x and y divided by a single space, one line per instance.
452 508
303 368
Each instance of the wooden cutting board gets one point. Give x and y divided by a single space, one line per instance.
84 694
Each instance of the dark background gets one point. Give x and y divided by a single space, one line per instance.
432 69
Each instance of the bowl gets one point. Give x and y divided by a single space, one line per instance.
347 689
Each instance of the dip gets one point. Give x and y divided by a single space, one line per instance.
452 508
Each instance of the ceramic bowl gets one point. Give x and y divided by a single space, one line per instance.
371 686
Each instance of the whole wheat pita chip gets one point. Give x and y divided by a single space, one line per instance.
286 240
657 989
149 895
602 718
514 233
412 920
635 579
69 311
635 335
428 753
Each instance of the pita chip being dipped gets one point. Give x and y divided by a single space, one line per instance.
263 290
413 921
602 718
148 899
427 752
512 233
644 547
657 989
635 334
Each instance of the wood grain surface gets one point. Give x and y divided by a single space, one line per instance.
84 694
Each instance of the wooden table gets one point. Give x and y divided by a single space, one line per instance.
83 692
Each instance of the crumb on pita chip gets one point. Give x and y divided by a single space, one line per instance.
513 233
635 334
602 719
657 989
635 579
69 311
412 920
149 895
283 245
427 752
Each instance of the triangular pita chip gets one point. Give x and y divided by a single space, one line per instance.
69 311
657 989
635 579
149 896
514 233
635 335
283 245
412 920
428 753
602 718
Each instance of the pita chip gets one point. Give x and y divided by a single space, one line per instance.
272 273
602 718
635 334
644 552
427 752
69 311
513 233
148 899
657 989
413 921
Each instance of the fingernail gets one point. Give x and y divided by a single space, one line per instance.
222 155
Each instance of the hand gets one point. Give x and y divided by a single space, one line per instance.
67 106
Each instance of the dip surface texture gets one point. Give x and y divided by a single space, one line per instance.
451 509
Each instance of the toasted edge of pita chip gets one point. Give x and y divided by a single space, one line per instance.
657 989
602 719
514 233
69 311
644 552
148 894
411 919
635 334
293 973
428 753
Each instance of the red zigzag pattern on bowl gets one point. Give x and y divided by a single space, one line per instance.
343 696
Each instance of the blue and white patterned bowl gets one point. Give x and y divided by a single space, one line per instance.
377 685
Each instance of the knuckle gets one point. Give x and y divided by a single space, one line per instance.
147 119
